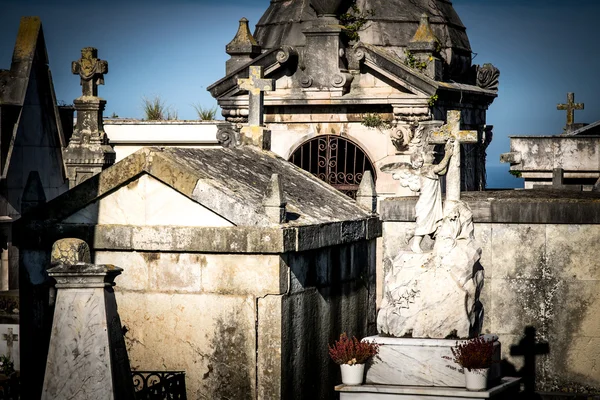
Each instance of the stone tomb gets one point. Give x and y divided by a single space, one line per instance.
236 275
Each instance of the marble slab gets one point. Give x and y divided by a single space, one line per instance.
506 389
419 362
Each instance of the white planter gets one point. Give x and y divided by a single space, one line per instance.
476 379
352 374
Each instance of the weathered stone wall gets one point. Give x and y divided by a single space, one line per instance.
245 326
545 275
332 291
195 313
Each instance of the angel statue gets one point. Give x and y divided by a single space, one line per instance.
424 176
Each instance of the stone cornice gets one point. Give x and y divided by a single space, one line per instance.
230 240
512 207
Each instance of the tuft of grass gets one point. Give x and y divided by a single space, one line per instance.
155 109
205 114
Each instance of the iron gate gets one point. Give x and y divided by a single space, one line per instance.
335 160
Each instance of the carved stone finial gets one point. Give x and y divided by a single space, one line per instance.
274 201
424 33
366 197
91 70
242 48
425 48
88 152
70 251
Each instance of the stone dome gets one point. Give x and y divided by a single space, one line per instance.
392 26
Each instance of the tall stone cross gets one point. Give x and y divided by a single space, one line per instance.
256 86
451 130
570 108
10 339
91 70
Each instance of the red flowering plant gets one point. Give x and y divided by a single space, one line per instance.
473 354
352 351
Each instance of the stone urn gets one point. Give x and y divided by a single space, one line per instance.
326 8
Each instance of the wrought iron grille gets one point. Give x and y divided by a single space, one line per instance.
335 160
159 385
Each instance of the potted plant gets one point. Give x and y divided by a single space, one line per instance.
351 355
475 356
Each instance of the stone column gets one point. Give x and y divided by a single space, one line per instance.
87 358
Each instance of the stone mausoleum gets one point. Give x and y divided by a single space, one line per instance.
350 100
570 160
238 268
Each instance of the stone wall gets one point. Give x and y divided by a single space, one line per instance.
331 291
545 275
244 326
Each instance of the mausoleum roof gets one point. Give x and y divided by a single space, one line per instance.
230 182
392 25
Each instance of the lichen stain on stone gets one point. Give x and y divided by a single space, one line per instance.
231 375
133 184
150 257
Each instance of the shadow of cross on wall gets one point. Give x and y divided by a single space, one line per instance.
529 349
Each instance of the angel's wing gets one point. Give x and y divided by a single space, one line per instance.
405 173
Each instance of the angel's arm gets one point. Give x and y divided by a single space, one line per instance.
442 167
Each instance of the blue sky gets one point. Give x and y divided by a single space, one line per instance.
175 49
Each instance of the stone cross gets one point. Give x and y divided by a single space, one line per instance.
451 130
256 85
528 348
91 70
10 339
570 108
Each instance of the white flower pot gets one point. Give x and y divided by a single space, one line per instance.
476 379
352 374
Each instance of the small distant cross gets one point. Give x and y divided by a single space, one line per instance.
91 70
10 339
570 108
256 85
451 130
528 348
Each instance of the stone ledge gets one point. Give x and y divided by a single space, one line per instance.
507 388
231 240
512 206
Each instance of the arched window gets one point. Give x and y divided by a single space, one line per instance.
335 160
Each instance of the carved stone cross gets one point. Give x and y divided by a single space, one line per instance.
570 108
10 339
451 130
91 70
256 85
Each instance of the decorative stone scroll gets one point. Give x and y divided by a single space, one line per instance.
488 77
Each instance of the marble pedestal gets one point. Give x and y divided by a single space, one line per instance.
507 389
419 362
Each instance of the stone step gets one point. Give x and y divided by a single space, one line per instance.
507 389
